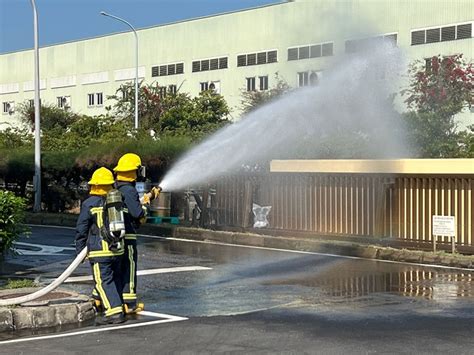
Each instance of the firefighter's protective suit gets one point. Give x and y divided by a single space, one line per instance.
127 170
106 262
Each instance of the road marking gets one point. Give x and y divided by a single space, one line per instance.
49 226
43 249
146 272
168 319
306 252
287 251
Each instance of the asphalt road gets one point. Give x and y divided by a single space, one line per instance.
211 298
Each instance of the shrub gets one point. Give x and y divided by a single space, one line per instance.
12 215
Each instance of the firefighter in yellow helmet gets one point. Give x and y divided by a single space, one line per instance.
129 168
104 255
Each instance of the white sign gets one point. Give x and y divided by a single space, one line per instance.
444 226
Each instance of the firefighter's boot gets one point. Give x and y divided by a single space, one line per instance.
133 310
97 305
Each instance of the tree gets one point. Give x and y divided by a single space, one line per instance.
254 99
439 89
174 113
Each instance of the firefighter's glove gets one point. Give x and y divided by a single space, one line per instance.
155 192
145 214
146 199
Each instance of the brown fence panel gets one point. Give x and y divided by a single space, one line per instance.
352 204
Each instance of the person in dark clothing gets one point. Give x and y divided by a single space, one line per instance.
127 170
105 258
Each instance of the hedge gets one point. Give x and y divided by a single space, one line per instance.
63 173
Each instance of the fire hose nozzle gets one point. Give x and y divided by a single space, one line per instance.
153 194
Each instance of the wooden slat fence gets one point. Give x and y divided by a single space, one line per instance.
352 204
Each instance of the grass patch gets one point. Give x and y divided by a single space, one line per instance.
17 283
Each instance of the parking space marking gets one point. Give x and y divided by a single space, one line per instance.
168 318
164 270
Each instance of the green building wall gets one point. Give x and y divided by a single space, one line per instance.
69 66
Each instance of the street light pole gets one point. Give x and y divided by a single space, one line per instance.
37 177
136 61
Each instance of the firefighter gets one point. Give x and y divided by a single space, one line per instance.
104 256
129 168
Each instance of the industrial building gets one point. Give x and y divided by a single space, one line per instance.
235 51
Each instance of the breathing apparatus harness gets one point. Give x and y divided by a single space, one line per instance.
114 221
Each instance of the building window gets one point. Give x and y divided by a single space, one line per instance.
8 108
441 34
95 99
292 53
209 64
223 63
356 45
263 82
257 58
167 69
311 51
327 49
31 103
303 79
172 89
64 102
250 84
163 91
448 33
214 86
204 86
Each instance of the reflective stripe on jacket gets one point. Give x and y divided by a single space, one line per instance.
90 230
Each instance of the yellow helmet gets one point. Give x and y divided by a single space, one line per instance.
128 162
102 176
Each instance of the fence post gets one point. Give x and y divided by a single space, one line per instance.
247 206
204 209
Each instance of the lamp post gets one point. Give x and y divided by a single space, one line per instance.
136 61
37 177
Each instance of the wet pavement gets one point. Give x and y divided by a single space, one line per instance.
257 300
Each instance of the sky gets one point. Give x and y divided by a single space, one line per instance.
68 20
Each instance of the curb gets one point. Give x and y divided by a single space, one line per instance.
73 309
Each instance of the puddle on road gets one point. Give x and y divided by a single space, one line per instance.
412 282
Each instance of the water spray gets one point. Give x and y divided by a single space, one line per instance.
351 102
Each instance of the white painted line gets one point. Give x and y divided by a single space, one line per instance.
43 249
168 319
160 315
290 251
50 226
146 272
306 252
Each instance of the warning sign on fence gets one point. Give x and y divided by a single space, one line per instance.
444 226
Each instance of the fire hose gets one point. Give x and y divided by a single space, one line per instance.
154 193
35 295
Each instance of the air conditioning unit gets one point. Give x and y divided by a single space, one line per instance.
215 86
66 102
11 108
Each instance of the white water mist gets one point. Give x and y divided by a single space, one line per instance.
348 114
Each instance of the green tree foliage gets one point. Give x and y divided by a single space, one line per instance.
166 113
74 145
439 89
11 138
254 99
12 215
